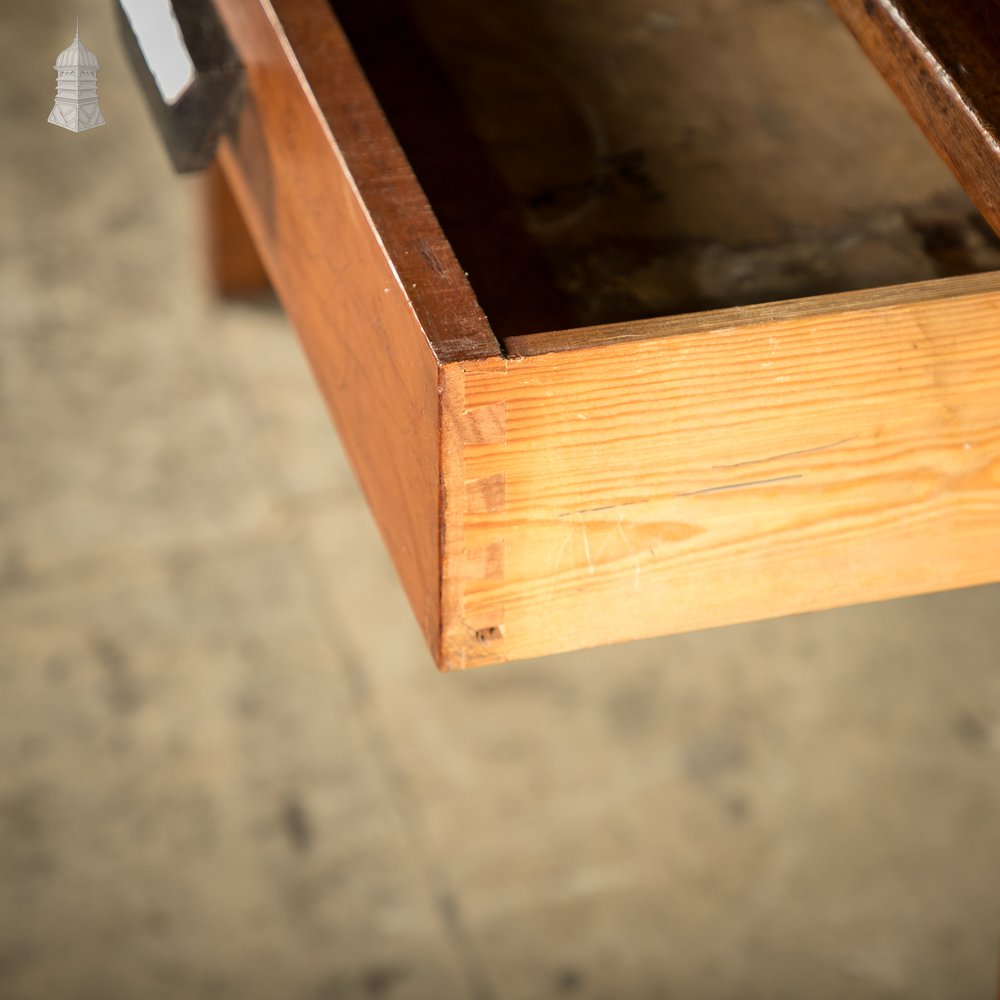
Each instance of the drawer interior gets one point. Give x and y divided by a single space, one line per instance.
597 161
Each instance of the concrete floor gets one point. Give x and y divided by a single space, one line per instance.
229 769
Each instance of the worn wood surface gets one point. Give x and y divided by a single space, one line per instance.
621 481
940 57
359 262
234 266
676 482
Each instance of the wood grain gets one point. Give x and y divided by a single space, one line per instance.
527 345
617 482
359 262
234 266
940 57
719 476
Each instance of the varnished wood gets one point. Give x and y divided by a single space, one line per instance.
668 483
940 57
307 89
589 486
359 262
234 266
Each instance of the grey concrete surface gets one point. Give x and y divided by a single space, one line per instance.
229 769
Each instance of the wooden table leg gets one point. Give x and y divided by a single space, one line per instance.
234 267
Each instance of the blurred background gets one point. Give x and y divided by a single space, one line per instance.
228 767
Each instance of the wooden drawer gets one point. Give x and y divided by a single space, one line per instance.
682 324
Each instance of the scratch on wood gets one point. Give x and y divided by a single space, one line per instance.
787 454
586 548
741 486
596 510
607 538
562 549
637 562
432 259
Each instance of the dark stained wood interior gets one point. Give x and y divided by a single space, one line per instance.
464 187
636 159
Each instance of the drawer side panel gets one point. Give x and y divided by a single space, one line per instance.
356 257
